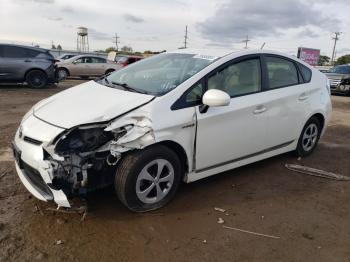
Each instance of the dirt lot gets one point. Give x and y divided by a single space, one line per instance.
310 215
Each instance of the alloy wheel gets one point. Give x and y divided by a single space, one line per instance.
155 181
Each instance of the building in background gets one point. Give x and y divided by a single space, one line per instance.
309 55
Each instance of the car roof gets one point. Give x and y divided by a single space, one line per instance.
224 52
39 49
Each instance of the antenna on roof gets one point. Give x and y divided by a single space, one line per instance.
262 46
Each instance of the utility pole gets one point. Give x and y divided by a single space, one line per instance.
246 42
116 41
335 38
186 37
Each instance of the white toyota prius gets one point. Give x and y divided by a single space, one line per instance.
177 116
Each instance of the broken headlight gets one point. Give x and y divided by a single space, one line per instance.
83 140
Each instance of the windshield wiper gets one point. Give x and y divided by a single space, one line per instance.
129 88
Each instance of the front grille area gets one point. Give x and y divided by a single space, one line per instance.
334 82
32 141
35 179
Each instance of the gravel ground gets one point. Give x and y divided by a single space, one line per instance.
311 216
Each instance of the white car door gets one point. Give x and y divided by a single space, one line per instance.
237 131
288 103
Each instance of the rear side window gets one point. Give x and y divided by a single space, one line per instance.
306 72
19 52
98 60
281 72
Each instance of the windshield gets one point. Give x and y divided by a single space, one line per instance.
340 70
160 74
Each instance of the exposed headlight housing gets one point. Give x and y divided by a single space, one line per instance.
83 140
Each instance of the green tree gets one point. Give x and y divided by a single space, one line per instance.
126 49
110 49
345 59
53 46
59 47
323 60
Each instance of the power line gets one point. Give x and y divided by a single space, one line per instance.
335 38
116 41
186 37
246 42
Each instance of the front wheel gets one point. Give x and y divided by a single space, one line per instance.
148 179
309 137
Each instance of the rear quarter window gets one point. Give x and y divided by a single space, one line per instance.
306 73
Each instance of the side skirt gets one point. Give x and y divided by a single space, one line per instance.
241 161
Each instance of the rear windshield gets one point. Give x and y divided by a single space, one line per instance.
161 73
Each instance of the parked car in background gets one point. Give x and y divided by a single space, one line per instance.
65 57
125 60
339 77
18 64
178 116
85 66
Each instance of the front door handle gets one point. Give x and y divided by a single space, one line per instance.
303 97
27 61
259 110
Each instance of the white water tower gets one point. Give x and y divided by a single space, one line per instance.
82 39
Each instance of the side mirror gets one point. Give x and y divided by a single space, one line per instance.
216 97
75 62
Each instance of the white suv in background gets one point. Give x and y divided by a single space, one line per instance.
177 116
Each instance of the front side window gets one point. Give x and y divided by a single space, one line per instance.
80 60
238 79
161 73
281 72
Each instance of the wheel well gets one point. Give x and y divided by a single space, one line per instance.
320 118
109 70
32 69
64 69
178 149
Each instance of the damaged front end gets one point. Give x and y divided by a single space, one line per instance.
84 158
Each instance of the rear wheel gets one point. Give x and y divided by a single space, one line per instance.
148 179
309 137
36 79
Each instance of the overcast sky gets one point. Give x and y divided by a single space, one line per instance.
160 24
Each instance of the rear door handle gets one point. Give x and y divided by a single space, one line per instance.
259 110
27 61
303 97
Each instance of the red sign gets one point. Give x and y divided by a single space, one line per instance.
308 55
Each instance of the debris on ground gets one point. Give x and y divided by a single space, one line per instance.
204 241
250 232
38 209
4 173
316 172
73 210
307 236
219 209
59 242
220 220
299 158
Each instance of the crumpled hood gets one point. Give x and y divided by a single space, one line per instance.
87 103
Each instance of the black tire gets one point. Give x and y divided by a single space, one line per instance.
109 71
307 145
36 79
62 73
129 170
